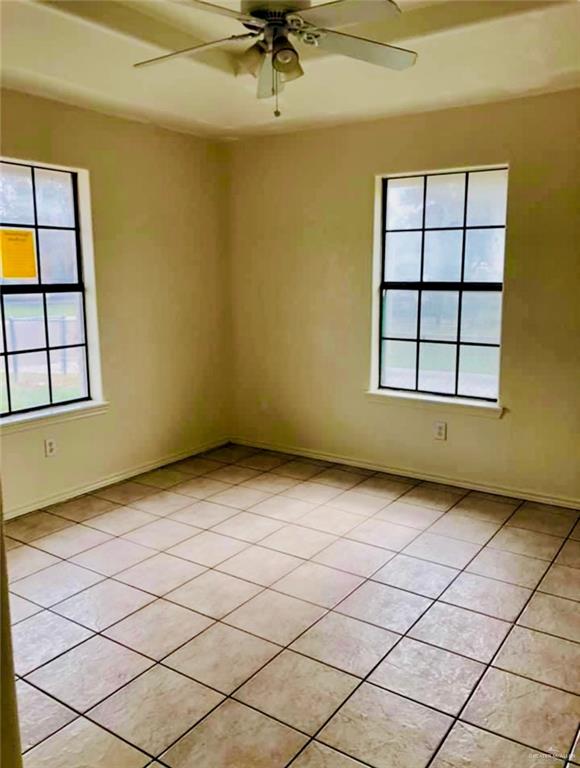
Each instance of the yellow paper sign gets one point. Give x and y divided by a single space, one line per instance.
17 253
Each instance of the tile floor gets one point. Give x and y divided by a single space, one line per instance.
248 609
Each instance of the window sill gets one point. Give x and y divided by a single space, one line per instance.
54 415
480 408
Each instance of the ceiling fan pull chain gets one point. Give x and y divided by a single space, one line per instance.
277 112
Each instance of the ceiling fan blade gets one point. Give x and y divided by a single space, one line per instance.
201 5
266 78
193 49
366 50
342 12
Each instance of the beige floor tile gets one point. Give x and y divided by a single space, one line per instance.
506 566
354 557
275 617
55 583
330 520
575 534
339 478
23 561
384 606
125 493
222 657
318 584
239 498
21 609
320 756
380 533
343 642
554 615
469 747
207 548
248 527
161 534
529 543
429 675
121 520
464 528
544 658
563 581
195 466
558 522
264 462
465 632
113 556
160 574
270 483
158 629
358 502
86 674
483 507
103 604
43 637
385 730
213 594
39 715
82 508
232 474
231 452
34 525
11 543
297 690
433 495
523 710
283 508
155 709
83 743
260 565
387 489
203 514
298 469
162 503
495 598
235 735
200 487
298 541
570 554
313 492
72 540
410 515
442 549
162 478
419 576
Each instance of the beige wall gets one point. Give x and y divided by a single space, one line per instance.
301 244
159 226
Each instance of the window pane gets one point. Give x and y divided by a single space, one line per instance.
487 198
58 256
54 198
16 206
403 256
400 314
24 318
484 254
443 255
481 317
65 319
437 368
3 388
68 373
28 380
24 260
405 203
439 315
445 200
398 364
479 371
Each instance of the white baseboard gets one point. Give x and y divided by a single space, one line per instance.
518 493
79 490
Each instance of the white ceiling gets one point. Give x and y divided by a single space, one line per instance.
82 51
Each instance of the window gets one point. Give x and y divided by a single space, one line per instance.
443 238
43 341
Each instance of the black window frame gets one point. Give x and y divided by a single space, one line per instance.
461 286
43 289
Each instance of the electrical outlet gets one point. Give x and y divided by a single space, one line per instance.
49 447
440 430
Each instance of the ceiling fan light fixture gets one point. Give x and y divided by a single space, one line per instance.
251 60
284 55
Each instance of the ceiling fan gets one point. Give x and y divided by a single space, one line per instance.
273 60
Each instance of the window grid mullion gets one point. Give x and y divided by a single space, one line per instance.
80 276
5 345
460 298
420 293
385 186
